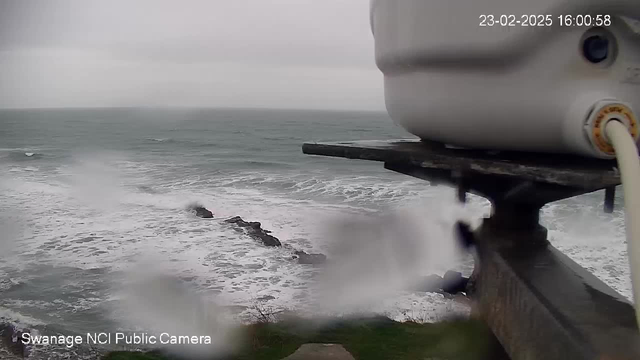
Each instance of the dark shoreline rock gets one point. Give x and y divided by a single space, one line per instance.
255 230
200 211
12 340
431 283
452 283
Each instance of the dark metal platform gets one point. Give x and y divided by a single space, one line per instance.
539 303
525 178
553 169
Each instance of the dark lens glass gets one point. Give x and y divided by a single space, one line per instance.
596 48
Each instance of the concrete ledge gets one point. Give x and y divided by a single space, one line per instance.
320 352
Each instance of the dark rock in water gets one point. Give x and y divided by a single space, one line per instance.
310 259
201 211
204 213
255 230
454 282
12 340
236 220
266 298
431 283
266 239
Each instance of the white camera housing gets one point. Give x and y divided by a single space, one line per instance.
508 86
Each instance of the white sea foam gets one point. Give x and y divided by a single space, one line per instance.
18 319
358 189
95 181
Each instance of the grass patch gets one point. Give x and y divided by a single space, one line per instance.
366 339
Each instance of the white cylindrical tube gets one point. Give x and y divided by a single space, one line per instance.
629 164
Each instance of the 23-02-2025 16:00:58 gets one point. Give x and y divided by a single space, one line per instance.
544 20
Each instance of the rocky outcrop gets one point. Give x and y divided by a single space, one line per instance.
255 230
12 340
452 283
431 283
310 259
200 211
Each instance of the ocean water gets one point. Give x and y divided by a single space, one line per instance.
87 196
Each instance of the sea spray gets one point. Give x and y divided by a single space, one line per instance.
96 182
373 257
174 316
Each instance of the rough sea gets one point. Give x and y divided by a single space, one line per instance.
89 198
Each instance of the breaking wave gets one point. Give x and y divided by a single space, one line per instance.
161 140
20 155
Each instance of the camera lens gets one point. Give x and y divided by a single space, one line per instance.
596 48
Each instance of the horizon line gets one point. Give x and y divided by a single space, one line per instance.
185 108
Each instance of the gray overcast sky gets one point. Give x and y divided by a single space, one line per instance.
254 53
